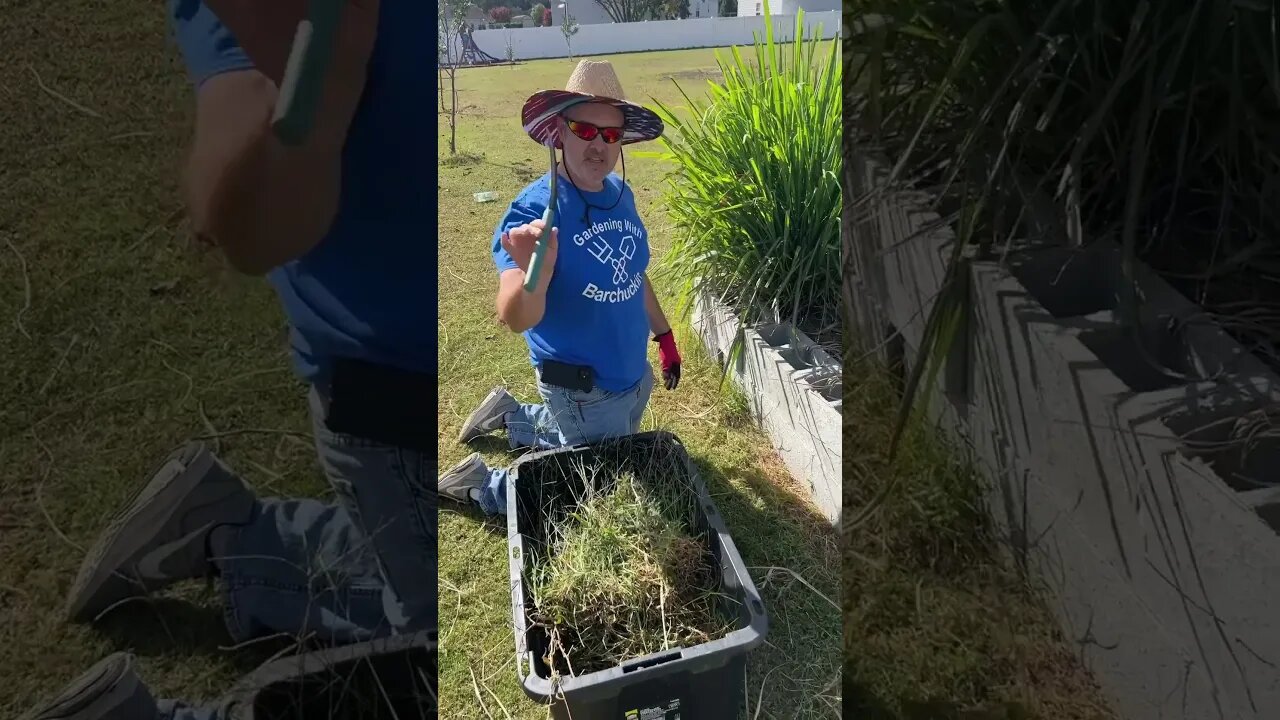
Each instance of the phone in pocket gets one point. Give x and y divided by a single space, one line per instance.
383 404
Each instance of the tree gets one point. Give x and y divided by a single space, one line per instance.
536 14
569 26
546 17
501 14
627 10
453 16
671 9
442 55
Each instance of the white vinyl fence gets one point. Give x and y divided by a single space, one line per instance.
610 38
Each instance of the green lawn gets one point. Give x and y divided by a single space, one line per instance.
796 674
122 339
938 624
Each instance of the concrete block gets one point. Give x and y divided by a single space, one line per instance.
795 390
1117 460
1090 414
1140 664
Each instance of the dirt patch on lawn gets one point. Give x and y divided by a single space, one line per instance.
695 75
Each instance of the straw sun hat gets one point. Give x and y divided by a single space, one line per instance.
592 81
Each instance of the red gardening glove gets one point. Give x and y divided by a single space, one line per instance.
670 358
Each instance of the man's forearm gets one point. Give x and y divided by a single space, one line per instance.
273 204
263 202
657 319
519 309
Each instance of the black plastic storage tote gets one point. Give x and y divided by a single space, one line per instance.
703 682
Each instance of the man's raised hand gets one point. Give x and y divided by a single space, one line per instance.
519 243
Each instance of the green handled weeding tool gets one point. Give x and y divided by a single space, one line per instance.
303 81
540 247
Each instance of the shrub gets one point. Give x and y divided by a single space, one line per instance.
1152 124
755 193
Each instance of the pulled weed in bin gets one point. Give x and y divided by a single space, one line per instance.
624 573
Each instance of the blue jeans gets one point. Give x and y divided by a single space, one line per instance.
564 418
343 572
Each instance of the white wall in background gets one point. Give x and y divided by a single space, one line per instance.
749 8
590 12
611 38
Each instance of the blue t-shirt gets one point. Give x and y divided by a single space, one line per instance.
595 311
368 289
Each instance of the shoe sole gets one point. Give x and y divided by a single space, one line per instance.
130 530
470 428
466 494
103 688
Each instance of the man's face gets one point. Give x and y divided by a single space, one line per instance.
590 161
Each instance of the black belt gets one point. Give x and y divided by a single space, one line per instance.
570 377
384 404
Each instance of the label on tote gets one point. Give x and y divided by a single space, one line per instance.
670 711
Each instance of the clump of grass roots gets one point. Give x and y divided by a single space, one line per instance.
624 574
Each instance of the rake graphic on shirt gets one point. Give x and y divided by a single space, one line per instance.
602 251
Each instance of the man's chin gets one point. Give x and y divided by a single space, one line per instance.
591 176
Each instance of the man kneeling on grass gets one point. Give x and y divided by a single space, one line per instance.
337 223
589 316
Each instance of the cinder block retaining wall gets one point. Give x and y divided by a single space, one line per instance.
1158 555
794 388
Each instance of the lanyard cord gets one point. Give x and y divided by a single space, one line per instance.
586 211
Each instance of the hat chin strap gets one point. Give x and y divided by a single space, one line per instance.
586 210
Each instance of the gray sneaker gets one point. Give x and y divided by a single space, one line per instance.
457 483
109 690
161 537
490 416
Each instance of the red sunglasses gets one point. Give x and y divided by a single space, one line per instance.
588 132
